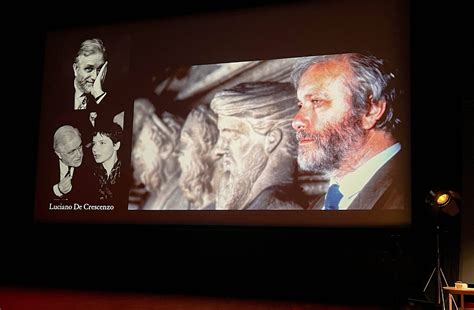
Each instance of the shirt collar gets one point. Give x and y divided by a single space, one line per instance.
63 169
78 97
353 182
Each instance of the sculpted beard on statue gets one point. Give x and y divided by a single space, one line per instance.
200 171
256 146
188 181
155 161
199 180
148 167
324 150
239 177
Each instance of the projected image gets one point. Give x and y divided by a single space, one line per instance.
305 133
181 121
83 146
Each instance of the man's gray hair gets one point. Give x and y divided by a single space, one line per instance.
368 79
90 47
64 134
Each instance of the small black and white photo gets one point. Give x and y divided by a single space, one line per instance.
86 117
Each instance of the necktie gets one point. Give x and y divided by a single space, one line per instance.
333 197
83 105
68 171
92 117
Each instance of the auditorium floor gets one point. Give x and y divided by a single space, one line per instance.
55 299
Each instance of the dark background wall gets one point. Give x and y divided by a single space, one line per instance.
304 263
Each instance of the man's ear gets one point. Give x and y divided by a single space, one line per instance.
59 155
74 68
272 139
374 113
117 146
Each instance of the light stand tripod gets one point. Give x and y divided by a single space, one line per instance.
439 273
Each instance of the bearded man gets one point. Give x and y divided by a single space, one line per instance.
344 128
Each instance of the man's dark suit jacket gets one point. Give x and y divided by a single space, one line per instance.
81 184
386 190
108 107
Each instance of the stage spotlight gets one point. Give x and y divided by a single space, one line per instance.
444 200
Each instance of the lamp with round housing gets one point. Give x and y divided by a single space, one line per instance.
443 201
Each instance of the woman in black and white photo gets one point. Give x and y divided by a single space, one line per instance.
106 141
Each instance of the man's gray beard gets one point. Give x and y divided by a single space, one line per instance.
234 189
332 146
82 86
